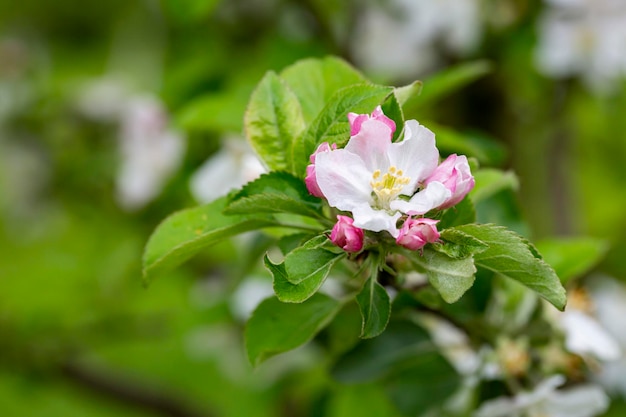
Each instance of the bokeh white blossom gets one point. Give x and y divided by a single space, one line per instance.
232 166
583 38
401 39
150 150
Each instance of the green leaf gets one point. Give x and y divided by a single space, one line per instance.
491 181
276 192
310 260
332 124
462 213
294 293
512 256
273 120
277 327
408 92
375 308
185 233
314 81
392 109
445 83
459 245
572 257
451 277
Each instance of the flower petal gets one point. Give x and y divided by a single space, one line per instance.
343 179
372 144
368 218
417 156
422 202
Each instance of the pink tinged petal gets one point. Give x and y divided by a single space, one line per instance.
311 182
311 179
357 120
371 144
456 175
323 147
369 218
425 200
417 156
343 179
380 116
416 233
346 235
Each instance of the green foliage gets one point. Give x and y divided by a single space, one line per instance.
303 271
186 232
273 121
276 327
375 307
512 256
314 81
452 277
332 125
276 192
459 245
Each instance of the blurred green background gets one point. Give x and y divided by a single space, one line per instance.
80 336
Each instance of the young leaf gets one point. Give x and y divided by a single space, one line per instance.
392 109
332 125
375 308
183 234
314 81
408 92
277 327
276 192
512 256
310 261
451 277
294 293
272 121
459 245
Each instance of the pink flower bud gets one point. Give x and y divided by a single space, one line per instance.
415 233
346 235
356 120
311 178
454 173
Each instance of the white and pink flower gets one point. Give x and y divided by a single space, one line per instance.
380 181
455 174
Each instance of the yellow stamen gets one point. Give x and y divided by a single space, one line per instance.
388 187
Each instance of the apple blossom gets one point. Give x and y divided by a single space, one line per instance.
379 181
416 233
346 235
455 174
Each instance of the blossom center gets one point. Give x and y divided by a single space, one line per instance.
386 187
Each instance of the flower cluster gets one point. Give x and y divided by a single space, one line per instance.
385 185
